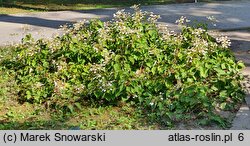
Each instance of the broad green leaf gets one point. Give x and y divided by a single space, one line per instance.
223 93
78 105
203 72
220 71
241 65
117 67
71 108
223 105
223 66
117 58
153 70
28 94
131 59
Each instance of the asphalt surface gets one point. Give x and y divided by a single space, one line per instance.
231 15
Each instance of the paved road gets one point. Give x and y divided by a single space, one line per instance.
44 24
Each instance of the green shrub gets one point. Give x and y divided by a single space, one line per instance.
173 76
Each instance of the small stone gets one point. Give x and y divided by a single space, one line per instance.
75 128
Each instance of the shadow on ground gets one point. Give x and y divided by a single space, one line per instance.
169 14
35 21
241 49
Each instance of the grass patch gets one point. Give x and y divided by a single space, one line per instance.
26 6
28 116
7 10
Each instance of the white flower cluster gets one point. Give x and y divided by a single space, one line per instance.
224 41
95 68
153 18
39 85
55 45
60 65
213 20
65 28
200 46
79 25
135 7
123 29
182 20
166 33
79 88
198 31
121 15
59 86
104 86
101 82
105 32
135 96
